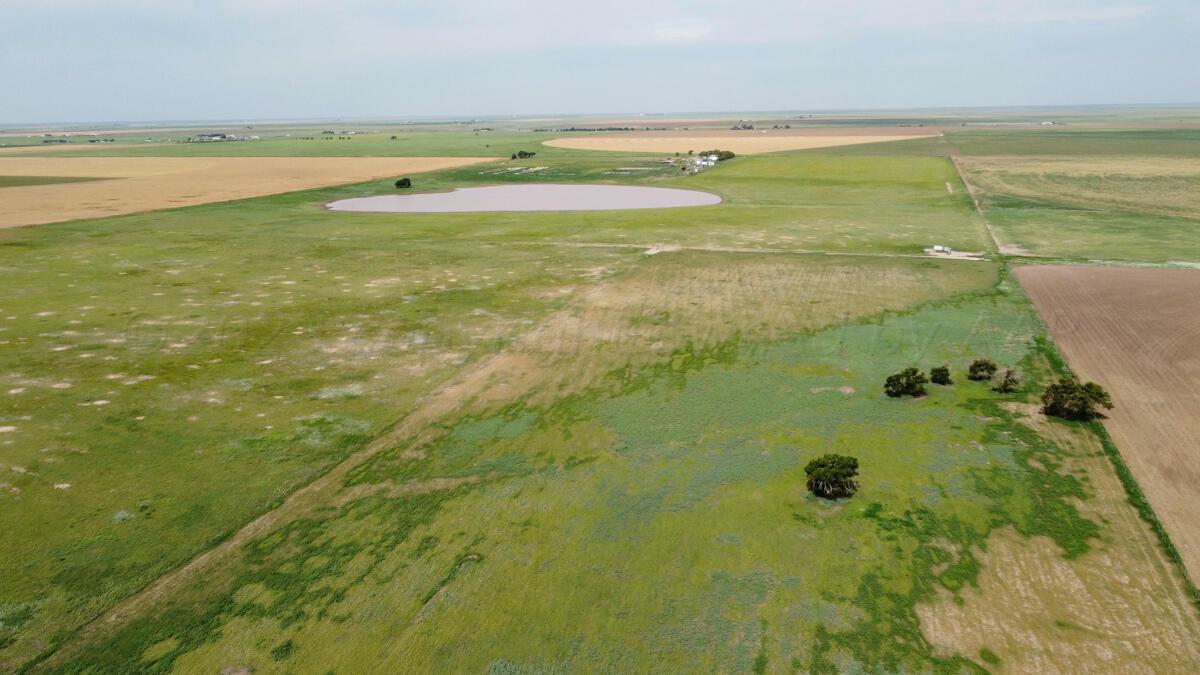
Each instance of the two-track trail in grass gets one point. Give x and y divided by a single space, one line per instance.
622 488
292 440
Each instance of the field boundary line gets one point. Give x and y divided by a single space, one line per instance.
962 178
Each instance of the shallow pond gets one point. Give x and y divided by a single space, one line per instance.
531 197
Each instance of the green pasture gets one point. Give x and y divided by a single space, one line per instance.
664 527
165 377
1133 216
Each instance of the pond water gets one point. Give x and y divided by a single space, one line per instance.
530 197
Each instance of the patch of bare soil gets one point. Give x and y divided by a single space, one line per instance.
1136 331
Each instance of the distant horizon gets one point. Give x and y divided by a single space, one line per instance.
715 114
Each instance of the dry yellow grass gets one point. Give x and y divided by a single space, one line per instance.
1118 608
73 147
150 183
1156 185
740 142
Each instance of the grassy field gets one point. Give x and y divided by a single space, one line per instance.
408 142
530 446
1102 195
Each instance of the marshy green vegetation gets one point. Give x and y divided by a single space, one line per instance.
606 470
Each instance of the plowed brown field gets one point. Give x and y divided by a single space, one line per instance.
1137 332
150 183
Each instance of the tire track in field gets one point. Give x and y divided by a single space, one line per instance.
459 390
962 177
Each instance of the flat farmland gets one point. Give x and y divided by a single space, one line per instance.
1137 332
261 436
743 142
144 184
1087 196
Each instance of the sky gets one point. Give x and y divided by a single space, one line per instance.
64 61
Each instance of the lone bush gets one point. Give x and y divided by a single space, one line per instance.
1071 400
981 369
404 183
832 476
908 382
1007 383
523 154
940 375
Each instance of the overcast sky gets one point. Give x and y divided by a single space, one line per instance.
136 60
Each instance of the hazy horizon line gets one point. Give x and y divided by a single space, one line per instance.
451 118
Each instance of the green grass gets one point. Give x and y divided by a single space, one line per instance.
1078 143
811 202
651 520
696 513
1047 228
409 142
25 181
210 363
1122 211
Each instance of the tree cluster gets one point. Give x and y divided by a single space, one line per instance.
981 369
523 154
722 155
940 375
1072 400
832 476
908 382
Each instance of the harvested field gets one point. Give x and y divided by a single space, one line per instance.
745 142
151 183
1137 332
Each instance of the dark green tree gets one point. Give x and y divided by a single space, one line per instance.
981 370
832 476
940 375
908 382
404 183
1070 399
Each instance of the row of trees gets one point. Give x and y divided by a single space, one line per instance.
1068 398
833 476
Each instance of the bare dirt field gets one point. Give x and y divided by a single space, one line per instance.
1137 332
742 142
150 183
